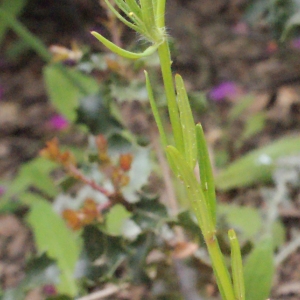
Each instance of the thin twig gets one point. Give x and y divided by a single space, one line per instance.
108 291
78 175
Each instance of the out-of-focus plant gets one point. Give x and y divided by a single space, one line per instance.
148 19
112 227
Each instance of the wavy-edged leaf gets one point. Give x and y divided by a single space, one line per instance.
259 270
206 173
236 266
59 242
187 122
256 166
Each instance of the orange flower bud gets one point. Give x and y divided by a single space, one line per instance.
125 161
72 218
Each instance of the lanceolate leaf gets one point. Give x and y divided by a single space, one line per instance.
259 270
236 266
61 244
257 166
183 171
187 123
206 173
124 53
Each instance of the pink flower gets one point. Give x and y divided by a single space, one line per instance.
58 122
227 89
49 290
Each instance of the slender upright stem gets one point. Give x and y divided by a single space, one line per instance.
165 62
220 270
160 13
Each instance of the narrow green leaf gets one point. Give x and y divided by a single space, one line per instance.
35 43
259 270
124 53
185 173
125 10
258 165
236 266
155 112
60 243
33 173
206 173
148 15
135 8
14 8
187 123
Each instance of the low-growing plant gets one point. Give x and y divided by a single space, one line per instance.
115 235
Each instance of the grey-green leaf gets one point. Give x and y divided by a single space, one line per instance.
259 270
257 166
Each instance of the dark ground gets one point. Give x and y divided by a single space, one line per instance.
214 46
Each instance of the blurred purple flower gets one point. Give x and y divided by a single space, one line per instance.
49 290
224 90
296 43
58 122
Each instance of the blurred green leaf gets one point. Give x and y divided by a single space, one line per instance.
245 220
259 270
278 234
96 114
35 173
59 242
239 108
66 86
94 242
14 8
149 214
133 90
254 124
256 166
116 218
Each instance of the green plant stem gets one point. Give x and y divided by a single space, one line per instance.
165 62
160 13
220 270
